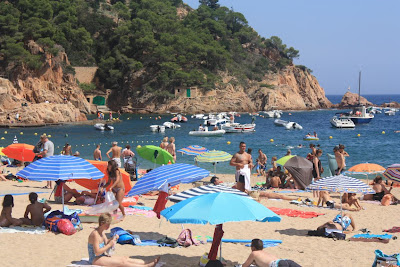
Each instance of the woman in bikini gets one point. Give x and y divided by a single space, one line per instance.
171 147
117 187
99 244
339 223
380 191
164 143
6 219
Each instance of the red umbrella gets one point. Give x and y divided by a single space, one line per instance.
218 233
21 152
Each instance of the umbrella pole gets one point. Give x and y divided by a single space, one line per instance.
215 169
62 197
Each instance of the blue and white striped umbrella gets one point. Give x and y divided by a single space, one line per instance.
172 174
60 167
193 150
205 189
341 184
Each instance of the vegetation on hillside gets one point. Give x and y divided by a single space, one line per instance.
127 37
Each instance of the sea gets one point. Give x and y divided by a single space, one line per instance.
375 142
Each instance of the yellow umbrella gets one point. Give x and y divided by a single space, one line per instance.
1 151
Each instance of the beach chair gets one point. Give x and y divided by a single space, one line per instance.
382 259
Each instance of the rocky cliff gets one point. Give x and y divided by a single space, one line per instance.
44 91
351 99
290 89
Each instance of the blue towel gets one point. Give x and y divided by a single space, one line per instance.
149 243
266 245
141 207
385 236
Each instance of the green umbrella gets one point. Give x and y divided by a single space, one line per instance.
283 160
155 154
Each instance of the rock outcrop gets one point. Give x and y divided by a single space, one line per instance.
291 89
351 99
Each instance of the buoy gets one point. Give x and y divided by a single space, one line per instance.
128 119
2 138
44 134
169 162
139 146
358 135
83 145
330 137
5 132
271 140
147 141
140 117
150 117
383 132
49 135
35 134
229 142
66 135
21 133
290 114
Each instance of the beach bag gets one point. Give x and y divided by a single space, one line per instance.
204 259
172 242
74 219
66 227
51 224
125 237
185 238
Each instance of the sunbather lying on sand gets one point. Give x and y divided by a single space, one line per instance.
261 258
6 219
325 198
37 211
98 246
339 223
276 196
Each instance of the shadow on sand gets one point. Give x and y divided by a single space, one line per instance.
293 232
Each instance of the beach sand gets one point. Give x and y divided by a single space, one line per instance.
51 249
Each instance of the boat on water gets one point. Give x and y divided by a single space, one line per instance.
238 128
207 133
293 126
281 123
157 128
339 122
272 114
197 116
103 127
179 118
171 125
390 112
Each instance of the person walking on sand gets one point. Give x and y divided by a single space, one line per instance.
171 147
261 258
243 163
99 245
97 153
47 150
37 211
115 150
118 186
164 143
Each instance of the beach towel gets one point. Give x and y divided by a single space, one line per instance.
140 212
385 236
377 240
161 202
393 230
246 172
296 213
84 262
21 229
141 207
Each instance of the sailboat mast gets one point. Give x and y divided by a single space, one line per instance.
359 89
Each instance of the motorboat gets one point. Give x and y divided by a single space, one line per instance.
171 125
293 126
279 122
272 114
179 118
339 122
390 112
358 115
157 128
238 128
102 127
207 133
197 116
215 121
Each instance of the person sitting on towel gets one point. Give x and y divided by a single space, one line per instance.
6 219
215 180
381 193
351 199
340 223
261 258
325 198
37 211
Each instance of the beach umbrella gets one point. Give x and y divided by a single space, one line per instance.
155 154
341 184
193 150
283 160
1 151
102 166
393 173
301 170
367 169
216 209
205 189
172 174
19 151
213 156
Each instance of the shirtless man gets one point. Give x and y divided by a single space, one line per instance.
97 153
340 155
116 153
171 147
262 258
37 211
240 160
262 161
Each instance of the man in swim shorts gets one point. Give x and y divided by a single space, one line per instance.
241 160
263 259
97 153
115 150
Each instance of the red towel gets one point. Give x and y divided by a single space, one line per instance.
160 203
296 213
395 229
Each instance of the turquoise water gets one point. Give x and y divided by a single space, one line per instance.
371 146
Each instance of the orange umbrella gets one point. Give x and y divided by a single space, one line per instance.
102 166
19 151
367 168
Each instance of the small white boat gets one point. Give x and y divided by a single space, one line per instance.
293 126
281 123
342 122
207 133
102 127
390 112
171 125
273 114
157 128
238 128
197 116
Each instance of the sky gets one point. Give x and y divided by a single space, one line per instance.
336 39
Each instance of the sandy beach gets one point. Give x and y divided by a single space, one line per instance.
49 249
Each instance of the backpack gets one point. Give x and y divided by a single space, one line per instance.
125 237
185 238
52 220
66 227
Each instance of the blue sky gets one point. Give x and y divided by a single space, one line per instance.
336 39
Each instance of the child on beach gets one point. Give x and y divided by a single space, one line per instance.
99 244
37 211
6 219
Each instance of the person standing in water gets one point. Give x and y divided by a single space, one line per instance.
171 147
